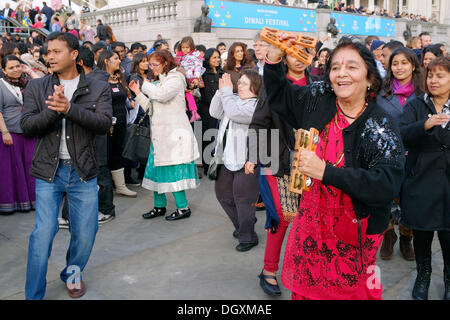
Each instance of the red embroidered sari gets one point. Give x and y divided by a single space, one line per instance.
318 265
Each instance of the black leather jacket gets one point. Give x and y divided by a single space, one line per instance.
89 115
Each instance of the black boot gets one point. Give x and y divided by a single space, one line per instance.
420 291
129 179
447 281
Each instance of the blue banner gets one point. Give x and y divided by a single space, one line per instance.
364 25
226 14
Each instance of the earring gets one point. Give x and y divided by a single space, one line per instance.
368 87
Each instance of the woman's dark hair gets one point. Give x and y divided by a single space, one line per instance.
175 47
255 80
101 64
373 75
253 55
440 62
7 58
137 59
189 41
208 55
434 49
164 56
322 50
23 48
7 48
416 75
231 61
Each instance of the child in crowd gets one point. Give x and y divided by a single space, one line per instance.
192 62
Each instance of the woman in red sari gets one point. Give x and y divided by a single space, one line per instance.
356 171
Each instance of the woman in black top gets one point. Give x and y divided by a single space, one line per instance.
140 71
211 80
425 196
109 61
356 171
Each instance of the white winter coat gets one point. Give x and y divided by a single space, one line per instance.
172 136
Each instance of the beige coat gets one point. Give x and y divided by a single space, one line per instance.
172 136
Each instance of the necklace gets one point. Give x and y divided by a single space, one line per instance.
340 156
347 116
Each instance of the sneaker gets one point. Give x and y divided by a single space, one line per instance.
63 223
104 218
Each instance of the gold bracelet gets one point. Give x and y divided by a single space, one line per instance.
267 60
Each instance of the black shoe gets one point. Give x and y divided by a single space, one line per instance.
179 214
422 284
236 234
132 182
155 212
270 289
242 247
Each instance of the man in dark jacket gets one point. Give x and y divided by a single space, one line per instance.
48 13
102 33
65 111
106 208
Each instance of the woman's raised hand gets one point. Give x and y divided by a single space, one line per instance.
275 54
225 81
134 86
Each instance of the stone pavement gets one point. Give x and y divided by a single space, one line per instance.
190 259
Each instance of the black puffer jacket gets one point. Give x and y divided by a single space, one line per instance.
89 115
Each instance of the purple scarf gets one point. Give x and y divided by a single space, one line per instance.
402 91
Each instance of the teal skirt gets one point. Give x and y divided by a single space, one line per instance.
173 178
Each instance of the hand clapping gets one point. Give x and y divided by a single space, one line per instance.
225 81
134 86
58 101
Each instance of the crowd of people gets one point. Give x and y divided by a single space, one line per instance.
341 6
382 111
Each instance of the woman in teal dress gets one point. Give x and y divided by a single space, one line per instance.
173 150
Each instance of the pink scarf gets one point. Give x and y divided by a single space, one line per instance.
402 91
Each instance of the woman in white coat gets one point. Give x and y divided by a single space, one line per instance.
170 166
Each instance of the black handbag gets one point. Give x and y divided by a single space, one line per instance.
137 141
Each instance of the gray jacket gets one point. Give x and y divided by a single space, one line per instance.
237 114
391 104
10 108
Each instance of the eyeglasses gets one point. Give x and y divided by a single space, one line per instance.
154 65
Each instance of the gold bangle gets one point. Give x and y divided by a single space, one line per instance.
267 60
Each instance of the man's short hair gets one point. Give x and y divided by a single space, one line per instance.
98 46
87 56
393 44
137 45
68 38
200 47
117 44
220 44
425 33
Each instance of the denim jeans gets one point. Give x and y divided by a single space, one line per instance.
83 206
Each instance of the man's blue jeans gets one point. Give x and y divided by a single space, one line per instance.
83 207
